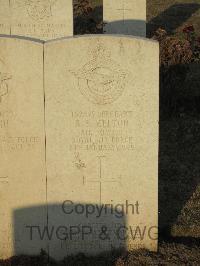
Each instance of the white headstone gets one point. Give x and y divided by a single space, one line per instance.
102 143
22 143
125 17
42 19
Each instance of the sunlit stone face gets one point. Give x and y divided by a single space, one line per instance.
102 117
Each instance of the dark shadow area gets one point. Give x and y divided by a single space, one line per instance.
69 228
172 18
89 22
190 242
179 150
179 90
126 27
179 171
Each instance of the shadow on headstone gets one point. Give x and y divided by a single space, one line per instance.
172 18
126 27
69 228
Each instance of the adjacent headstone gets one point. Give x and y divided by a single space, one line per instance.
42 19
102 144
125 17
4 17
22 142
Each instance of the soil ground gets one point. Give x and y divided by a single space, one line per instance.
169 254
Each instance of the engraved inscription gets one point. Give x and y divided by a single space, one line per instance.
102 131
3 179
38 9
4 86
41 19
18 143
101 80
78 162
6 116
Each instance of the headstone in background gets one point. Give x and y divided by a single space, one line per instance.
102 96
42 19
125 17
22 141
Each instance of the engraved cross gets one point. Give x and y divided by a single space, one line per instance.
101 180
124 9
